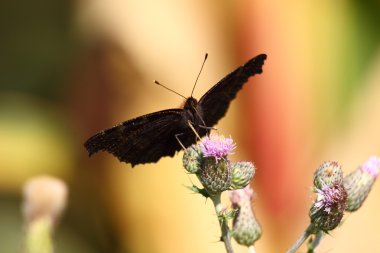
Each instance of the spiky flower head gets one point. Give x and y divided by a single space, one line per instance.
217 146
328 208
215 175
246 230
215 172
242 173
329 173
193 158
359 183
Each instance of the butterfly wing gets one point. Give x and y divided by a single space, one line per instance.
147 138
217 100
144 139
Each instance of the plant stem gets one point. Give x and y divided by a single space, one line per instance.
315 242
39 236
300 240
226 238
251 249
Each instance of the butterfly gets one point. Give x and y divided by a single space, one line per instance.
147 138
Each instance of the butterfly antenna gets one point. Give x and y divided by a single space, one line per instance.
156 82
196 80
192 128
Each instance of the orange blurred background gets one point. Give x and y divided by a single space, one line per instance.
71 68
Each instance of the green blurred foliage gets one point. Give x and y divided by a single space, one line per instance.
360 45
36 45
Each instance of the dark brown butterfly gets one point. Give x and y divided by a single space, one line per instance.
147 138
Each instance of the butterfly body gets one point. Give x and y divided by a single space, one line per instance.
193 113
147 138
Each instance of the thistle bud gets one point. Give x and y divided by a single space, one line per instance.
329 173
246 230
328 209
192 158
359 183
215 175
44 196
45 199
242 173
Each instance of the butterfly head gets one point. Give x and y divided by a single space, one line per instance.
193 112
190 104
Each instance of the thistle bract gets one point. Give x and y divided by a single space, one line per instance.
214 175
329 173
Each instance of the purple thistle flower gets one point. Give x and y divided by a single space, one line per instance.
241 195
217 146
328 209
372 166
328 197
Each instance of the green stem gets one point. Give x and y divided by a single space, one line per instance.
39 236
226 238
300 240
315 242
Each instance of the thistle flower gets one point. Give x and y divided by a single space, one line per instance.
359 183
329 173
246 230
372 166
328 209
214 170
242 174
208 160
217 146
237 197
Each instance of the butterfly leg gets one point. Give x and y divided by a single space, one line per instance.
208 128
192 128
204 124
179 141
199 115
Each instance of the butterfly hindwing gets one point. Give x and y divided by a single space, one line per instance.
141 140
217 100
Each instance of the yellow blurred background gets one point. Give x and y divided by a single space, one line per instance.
71 68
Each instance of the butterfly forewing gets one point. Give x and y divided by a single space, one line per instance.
216 101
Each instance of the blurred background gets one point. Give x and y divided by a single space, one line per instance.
69 69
